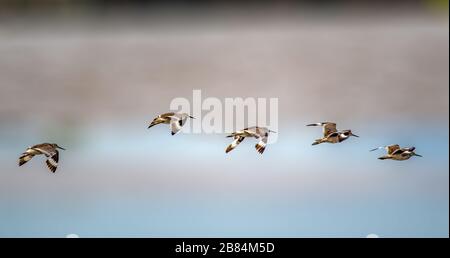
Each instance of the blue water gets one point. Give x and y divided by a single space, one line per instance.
132 182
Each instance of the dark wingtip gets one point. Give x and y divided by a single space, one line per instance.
316 124
21 162
260 148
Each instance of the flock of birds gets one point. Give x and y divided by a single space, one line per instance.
177 121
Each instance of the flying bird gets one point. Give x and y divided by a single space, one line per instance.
394 152
176 121
260 133
331 134
50 150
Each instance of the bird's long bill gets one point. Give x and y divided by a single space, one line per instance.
355 135
415 154
272 131
375 149
61 148
192 117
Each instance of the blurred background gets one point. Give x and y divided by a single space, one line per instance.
90 75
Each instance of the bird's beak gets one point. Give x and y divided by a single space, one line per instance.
60 148
192 117
418 155
272 131
355 135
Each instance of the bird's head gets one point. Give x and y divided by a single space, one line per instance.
187 115
413 153
349 133
184 115
56 146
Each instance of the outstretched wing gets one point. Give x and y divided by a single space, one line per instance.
167 115
182 121
52 162
261 145
164 118
25 158
392 148
327 127
175 124
235 143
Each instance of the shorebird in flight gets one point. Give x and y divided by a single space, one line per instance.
331 134
260 133
394 152
50 150
176 121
